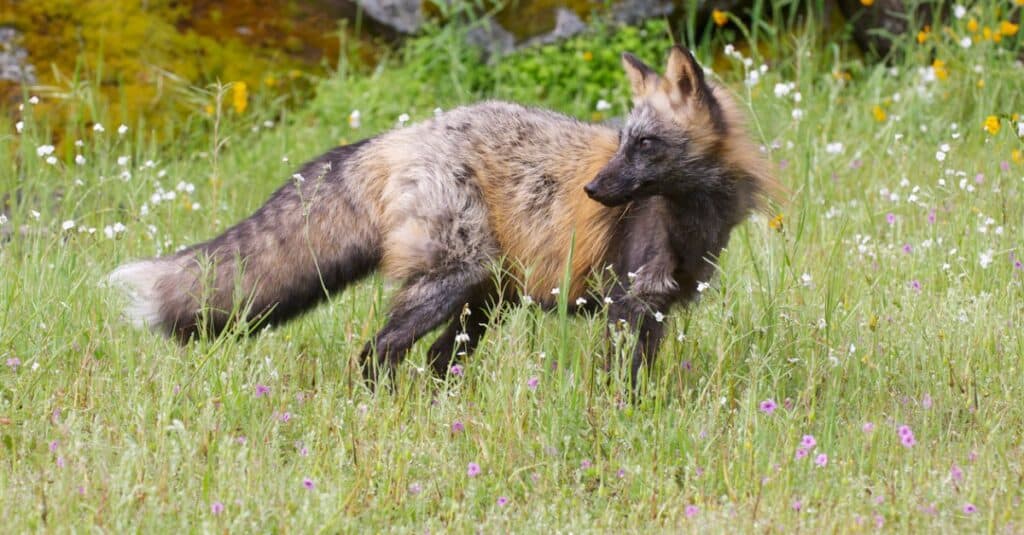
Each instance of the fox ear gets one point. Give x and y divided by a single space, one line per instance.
642 78
683 73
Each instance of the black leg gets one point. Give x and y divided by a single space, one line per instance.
641 317
421 305
462 335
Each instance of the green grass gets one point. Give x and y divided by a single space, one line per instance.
106 428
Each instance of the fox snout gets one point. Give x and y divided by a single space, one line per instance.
611 187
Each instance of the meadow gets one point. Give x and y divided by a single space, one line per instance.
855 365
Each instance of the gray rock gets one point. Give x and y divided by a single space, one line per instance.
405 16
637 11
567 24
14 65
491 37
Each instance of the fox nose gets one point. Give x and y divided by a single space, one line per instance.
590 189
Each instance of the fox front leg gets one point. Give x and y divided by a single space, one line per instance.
642 315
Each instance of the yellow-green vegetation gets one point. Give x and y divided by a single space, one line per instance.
856 365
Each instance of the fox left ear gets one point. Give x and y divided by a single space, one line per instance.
642 79
683 73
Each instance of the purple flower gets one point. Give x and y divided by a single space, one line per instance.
973 456
502 501
262 390
285 416
879 521
241 440
907 248
915 285
890 218
788 404
931 216
856 164
60 462
456 370
908 441
473 470
821 460
691 510
797 505
1004 165
621 473
808 441
13 363
969 508
304 451
956 473
54 445
979 178
415 488
868 427
801 453
585 464
532 383
768 406
926 401
457 427
216 508
308 483
904 430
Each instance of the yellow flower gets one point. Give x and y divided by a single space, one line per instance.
776 223
1008 28
939 67
270 81
1016 156
294 73
720 17
879 113
986 33
867 3
922 35
208 109
1015 117
981 83
992 124
588 55
239 96
972 25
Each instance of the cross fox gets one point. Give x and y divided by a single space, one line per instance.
439 205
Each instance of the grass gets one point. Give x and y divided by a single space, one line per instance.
890 296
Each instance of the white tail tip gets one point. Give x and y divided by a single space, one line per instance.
138 280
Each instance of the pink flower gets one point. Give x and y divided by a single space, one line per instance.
13 363
915 285
502 501
456 370
808 441
54 445
931 217
908 441
890 218
585 464
532 383
969 508
415 488
821 460
801 453
216 508
285 416
768 406
956 473
473 470
691 510
262 390
457 427
621 473
926 401
904 430
907 248
868 427
797 505
308 483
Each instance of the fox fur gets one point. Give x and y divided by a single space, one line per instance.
438 205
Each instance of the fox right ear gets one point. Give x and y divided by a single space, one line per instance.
642 79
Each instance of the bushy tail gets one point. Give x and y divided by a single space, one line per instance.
310 239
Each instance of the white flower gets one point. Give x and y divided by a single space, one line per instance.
659 317
438 111
79 159
354 119
3 219
33 100
555 291
122 130
68 225
806 280
603 105
1020 129
126 175
985 259
79 143
701 286
44 150
966 42
19 126
959 11
298 177
97 127
834 148
580 301
123 160
944 147
797 97
461 338
783 89
527 300
34 214
608 300
940 156
268 124
797 114
52 160
402 119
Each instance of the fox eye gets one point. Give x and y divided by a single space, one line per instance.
645 143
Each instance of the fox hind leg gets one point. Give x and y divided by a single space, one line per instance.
463 333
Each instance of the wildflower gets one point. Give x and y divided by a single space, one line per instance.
51 160
456 370
701 286
123 160
19 126
457 427
68 225
991 125
502 501
532 383
659 317
797 505
555 291
402 119
939 68
907 248
806 280
54 444
878 113
473 470
462 338
97 127
587 55
691 511
285 416
79 159
308 483
915 285
415 488
262 390
868 427
956 473
926 401
239 96
890 218
216 508
44 150
808 441
354 119
985 259
908 441
603 105
940 156
797 114
60 462
801 453
720 17
768 406
922 35
1016 156
122 130
1008 28
776 223
585 464
959 11
834 148
13 363
867 3
966 42
621 473
970 509
33 100
821 460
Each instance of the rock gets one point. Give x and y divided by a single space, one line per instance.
491 37
567 24
14 65
637 11
405 16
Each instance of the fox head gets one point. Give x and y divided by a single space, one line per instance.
683 135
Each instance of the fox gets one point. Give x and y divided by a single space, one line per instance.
437 206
